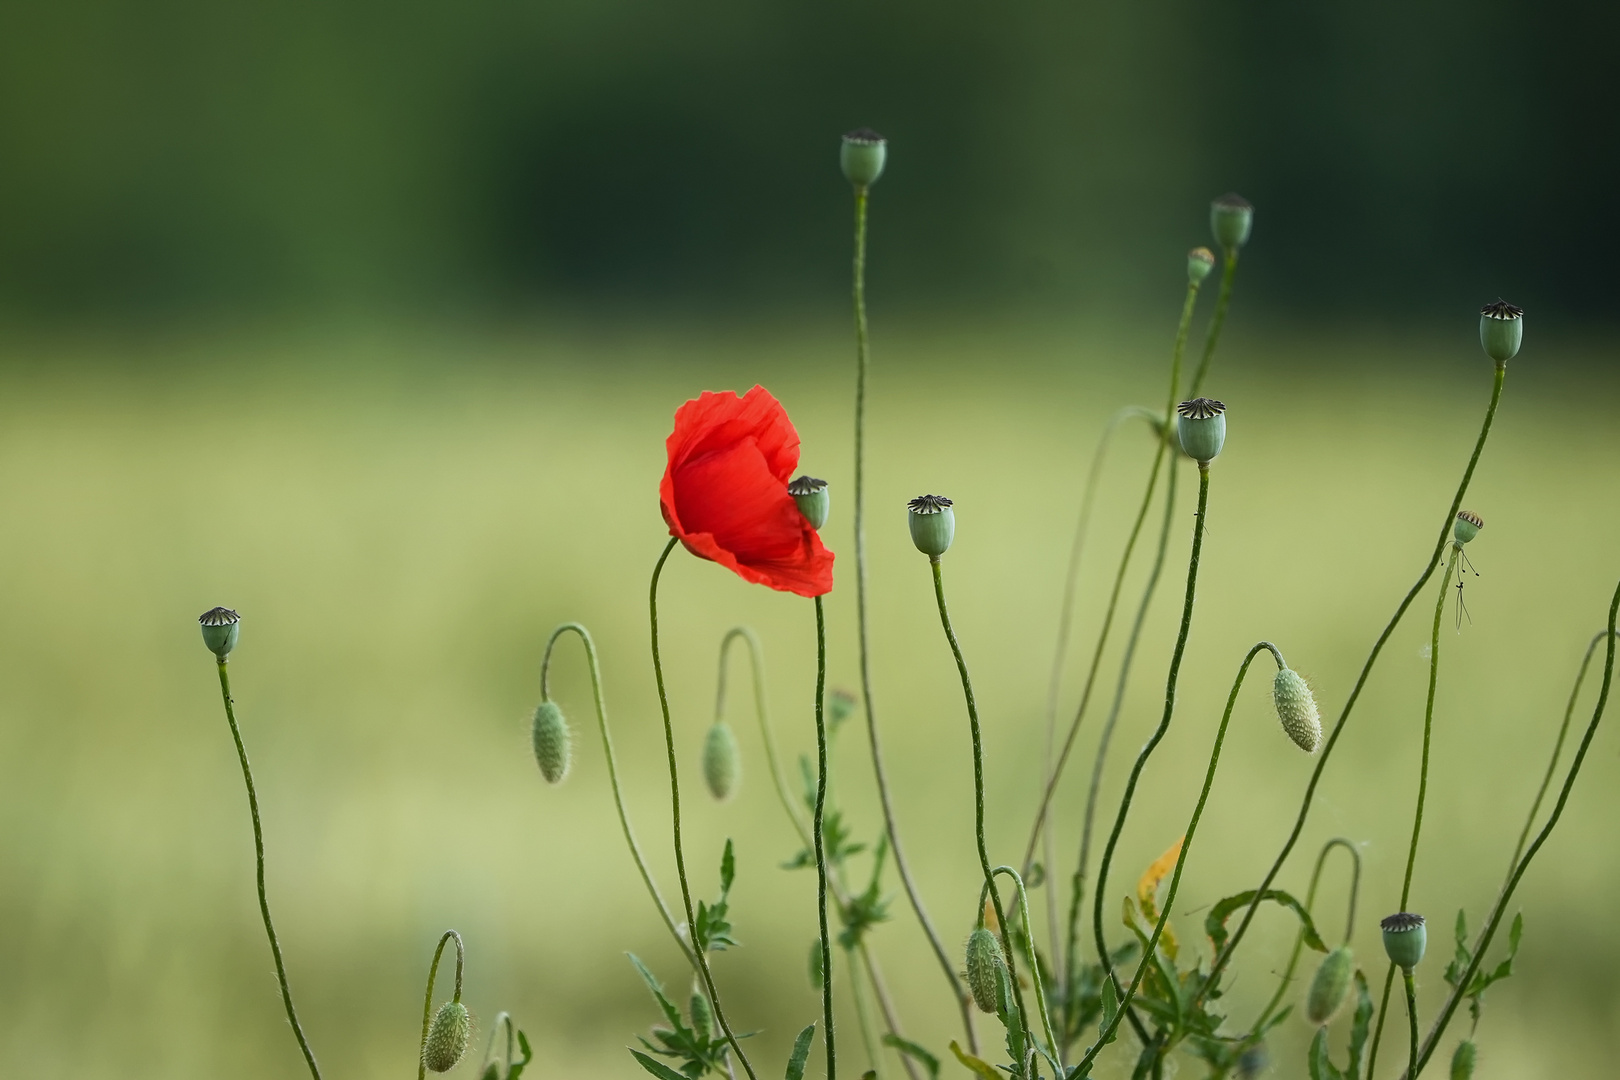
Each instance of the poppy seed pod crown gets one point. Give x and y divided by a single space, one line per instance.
814 501
1467 526
220 628
1200 261
1230 219
983 959
862 156
1404 939
1202 429
933 524
1501 330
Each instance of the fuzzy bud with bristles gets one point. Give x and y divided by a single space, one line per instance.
862 156
722 761
984 959
1230 219
1296 708
1200 261
220 628
551 742
1467 526
1501 330
814 501
447 1038
1405 939
933 524
1201 428
1462 1061
1330 986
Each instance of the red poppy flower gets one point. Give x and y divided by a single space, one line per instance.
725 493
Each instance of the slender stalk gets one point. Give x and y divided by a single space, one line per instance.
1217 321
613 770
1130 792
1055 1051
964 1002
675 815
427 998
1299 939
821 854
863 1019
1488 931
1411 1016
1225 955
258 856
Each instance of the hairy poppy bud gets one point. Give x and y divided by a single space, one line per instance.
817 975
702 1016
551 742
1200 261
984 959
1230 219
813 499
1296 708
933 524
1501 330
1330 986
220 628
1468 526
1462 1061
722 761
447 1038
862 156
1405 939
1202 429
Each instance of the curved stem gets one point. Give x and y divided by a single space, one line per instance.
1055 1053
613 769
697 950
258 856
756 656
1225 955
427 998
492 1054
1130 792
1217 321
1299 939
821 854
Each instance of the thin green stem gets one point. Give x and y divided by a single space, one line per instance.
492 1055
1225 955
1055 1050
1299 939
427 998
698 950
1217 321
258 856
1411 1016
613 769
1130 792
821 854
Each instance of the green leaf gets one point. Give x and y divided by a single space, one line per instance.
1359 1025
1316 1058
728 868
657 1068
515 1069
1459 959
1215 921
913 1051
1110 1009
671 1013
801 1053
979 1066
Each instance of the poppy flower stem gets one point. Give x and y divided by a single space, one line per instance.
821 854
427 998
675 815
1287 980
1217 321
258 855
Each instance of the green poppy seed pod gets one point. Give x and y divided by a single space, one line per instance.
813 499
1230 219
1462 1061
1200 261
983 959
1330 986
551 742
1501 330
722 761
817 975
447 1038
1296 708
702 1016
862 156
220 628
933 524
1467 526
1405 939
1202 429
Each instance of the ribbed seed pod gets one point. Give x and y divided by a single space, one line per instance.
1467 526
702 1016
813 499
447 1038
1201 428
933 524
722 761
862 156
1462 1061
983 959
220 629
551 742
1501 330
1331 985
1230 219
1296 708
1200 261
1405 938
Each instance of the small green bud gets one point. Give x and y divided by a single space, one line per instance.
702 1016
1296 708
1404 939
1468 526
983 959
1462 1061
933 524
817 974
1200 261
551 742
813 499
1230 219
862 156
1330 986
722 761
1202 429
220 628
447 1038
1501 330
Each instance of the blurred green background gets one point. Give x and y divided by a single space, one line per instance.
369 320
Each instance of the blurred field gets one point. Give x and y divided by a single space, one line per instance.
401 517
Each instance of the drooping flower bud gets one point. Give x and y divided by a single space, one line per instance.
702 1016
220 628
862 156
1405 939
1296 708
1330 986
1202 429
1230 219
447 1038
1501 330
933 524
984 959
1462 1061
813 499
551 742
1200 261
1467 526
722 761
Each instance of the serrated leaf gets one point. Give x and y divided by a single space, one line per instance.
671 1013
1215 921
1316 1059
913 1051
1359 1025
801 1053
515 1068
1147 893
977 1065
657 1068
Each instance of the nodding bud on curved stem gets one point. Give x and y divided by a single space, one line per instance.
1501 330
448 1037
983 959
1330 986
220 628
1201 427
1405 939
1200 261
812 496
862 156
1296 708
552 742
1467 526
933 524
1230 218
722 761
